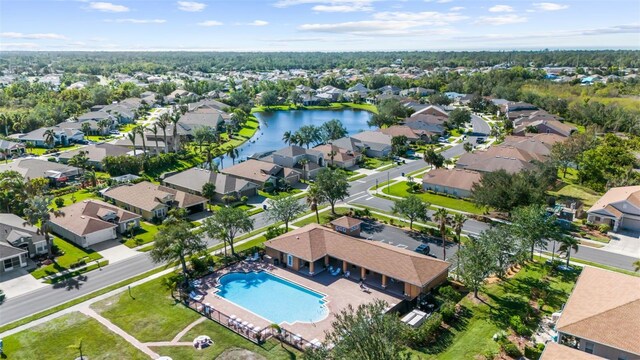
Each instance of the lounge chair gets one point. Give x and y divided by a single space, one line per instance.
256 257
331 269
347 274
408 317
195 296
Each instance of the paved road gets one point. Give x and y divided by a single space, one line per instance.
599 256
481 129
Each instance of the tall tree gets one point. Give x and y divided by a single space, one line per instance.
163 123
175 118
49 137
457 223
441 217
86 128
432 158
209 191
154 131
233 154
140 131
333 130
567 244
372 335
38 213
131 135
225 224
412 208
175 241
333 186
79 160
284 208
534 226
314 198
473 269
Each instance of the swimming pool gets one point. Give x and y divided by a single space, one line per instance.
272 297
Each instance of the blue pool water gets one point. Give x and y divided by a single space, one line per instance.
272 298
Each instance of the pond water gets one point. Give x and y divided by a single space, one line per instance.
274 124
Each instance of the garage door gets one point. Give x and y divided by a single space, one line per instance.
630 224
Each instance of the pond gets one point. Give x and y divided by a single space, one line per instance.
274 124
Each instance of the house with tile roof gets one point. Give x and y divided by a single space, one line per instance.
18 242
337 156
501 157
261 172
95 153
456 182
555 351
35 168
602 315
90 222
192 181
377 144
294 156
313 248
619 208
153 201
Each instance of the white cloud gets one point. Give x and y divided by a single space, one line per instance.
258 23
547 6
617 29
501 8
432 18
209 23
35 36
107 7
343 8
191 6
501 20
457 8
443 1
18 45
137 21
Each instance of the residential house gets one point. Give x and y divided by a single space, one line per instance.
389 90
544 126
193 180
433 110
153 201
62 137
456 182
95 154
501 157
377 144
350 144
540 144
619 208
58 174
9 149
94 129
18 242
403 130
90 222
294 156
514 110
123 113
555 351
176 95
602 315
97 116
419 91
208 103
313 248
329 93
337 156
262 172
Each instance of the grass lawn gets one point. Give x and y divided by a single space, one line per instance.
126 127
149 315
586 195
281 193
40 151
472 335
400 189
98 138
223 339
71 255
357 177
374 163
78 196
249 128
51 340
144 235
325 217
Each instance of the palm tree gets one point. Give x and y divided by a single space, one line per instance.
91 177
103 124
5 120
140 131
163 122
457 222
287 137
568 243
49 137
5 153
38 213
314 198
304 162
85 128
332 154
211 152
132 137
174 120
154 131
233 154
79 160
442 218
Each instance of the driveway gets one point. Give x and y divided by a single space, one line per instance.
19 282
114 251
627 243
404 239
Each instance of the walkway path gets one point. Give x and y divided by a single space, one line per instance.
111 326
176 339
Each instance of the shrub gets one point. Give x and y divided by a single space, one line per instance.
519 326
604 228
59 202
448 311
533 353
512 350
77 264
426 333
449 293
273 231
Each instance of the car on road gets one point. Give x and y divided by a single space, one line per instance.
114 132
423 249
480 141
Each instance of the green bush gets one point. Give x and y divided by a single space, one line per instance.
519 326
59 202
273 232
533 353
604 228
426 333
448 311
512 350
449 293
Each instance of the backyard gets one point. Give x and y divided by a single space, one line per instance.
52 340
76 196
72 254
570 188
143 235
150 315
518 296
401 189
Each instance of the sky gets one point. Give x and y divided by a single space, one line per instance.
317 25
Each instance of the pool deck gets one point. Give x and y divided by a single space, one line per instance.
340 293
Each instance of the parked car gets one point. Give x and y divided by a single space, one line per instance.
423 249
114 132
480 141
